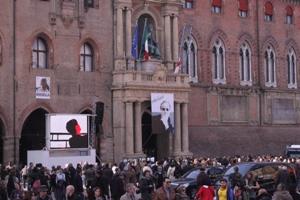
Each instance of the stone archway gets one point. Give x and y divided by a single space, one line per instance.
33 136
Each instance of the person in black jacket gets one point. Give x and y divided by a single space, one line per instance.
3 193
203 178
147 186
117 186
263 194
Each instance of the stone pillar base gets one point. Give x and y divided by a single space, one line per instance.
134 156
150 65
8 149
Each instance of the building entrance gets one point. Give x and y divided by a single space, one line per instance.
33 133
149 139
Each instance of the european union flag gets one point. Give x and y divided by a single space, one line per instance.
134 50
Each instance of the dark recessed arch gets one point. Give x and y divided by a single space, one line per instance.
33 135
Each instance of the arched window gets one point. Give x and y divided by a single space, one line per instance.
243 8
268 11
86 57
218 55
292 69
289 15
190 59
245 65
39 53
216 6
270 67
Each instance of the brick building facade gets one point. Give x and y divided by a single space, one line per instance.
237 91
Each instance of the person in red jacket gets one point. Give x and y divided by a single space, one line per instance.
205 192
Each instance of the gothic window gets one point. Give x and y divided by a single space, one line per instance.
39 53
243 8
218 61
216 6
291 66
270 67
245 65
86 57
189 4
289 15
189 62
268 11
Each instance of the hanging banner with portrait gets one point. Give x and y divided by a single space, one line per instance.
42 87
162 110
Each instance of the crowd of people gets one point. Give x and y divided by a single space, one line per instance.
138 179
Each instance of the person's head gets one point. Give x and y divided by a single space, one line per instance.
167 182
73 127
249 175
70 190
262 191
281 187
165 109
97 192
223 183
43 191
130 188
181 190
147 173
44 84
236 169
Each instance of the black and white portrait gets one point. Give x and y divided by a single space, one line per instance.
162 108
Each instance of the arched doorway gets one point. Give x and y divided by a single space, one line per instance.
33 133
1 140
149 139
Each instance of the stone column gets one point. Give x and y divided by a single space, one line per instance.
175 38
129 128
119 45
8 149
128 33
167 38
177 142
138 128
185 131
53 7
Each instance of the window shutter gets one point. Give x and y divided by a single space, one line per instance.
243 5
268 8
289 11
217 3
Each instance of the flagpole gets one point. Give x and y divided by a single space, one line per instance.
142 38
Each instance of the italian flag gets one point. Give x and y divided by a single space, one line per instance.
146 50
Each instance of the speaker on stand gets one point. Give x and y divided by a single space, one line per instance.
99 111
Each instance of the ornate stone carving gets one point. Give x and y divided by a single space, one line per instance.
68 12
160 73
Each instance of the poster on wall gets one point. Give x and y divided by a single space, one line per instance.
162 110
65 131
42 87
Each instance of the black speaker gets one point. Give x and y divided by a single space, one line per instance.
99 116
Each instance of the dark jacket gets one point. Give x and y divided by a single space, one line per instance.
203 179
146 188
264 196
117 187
